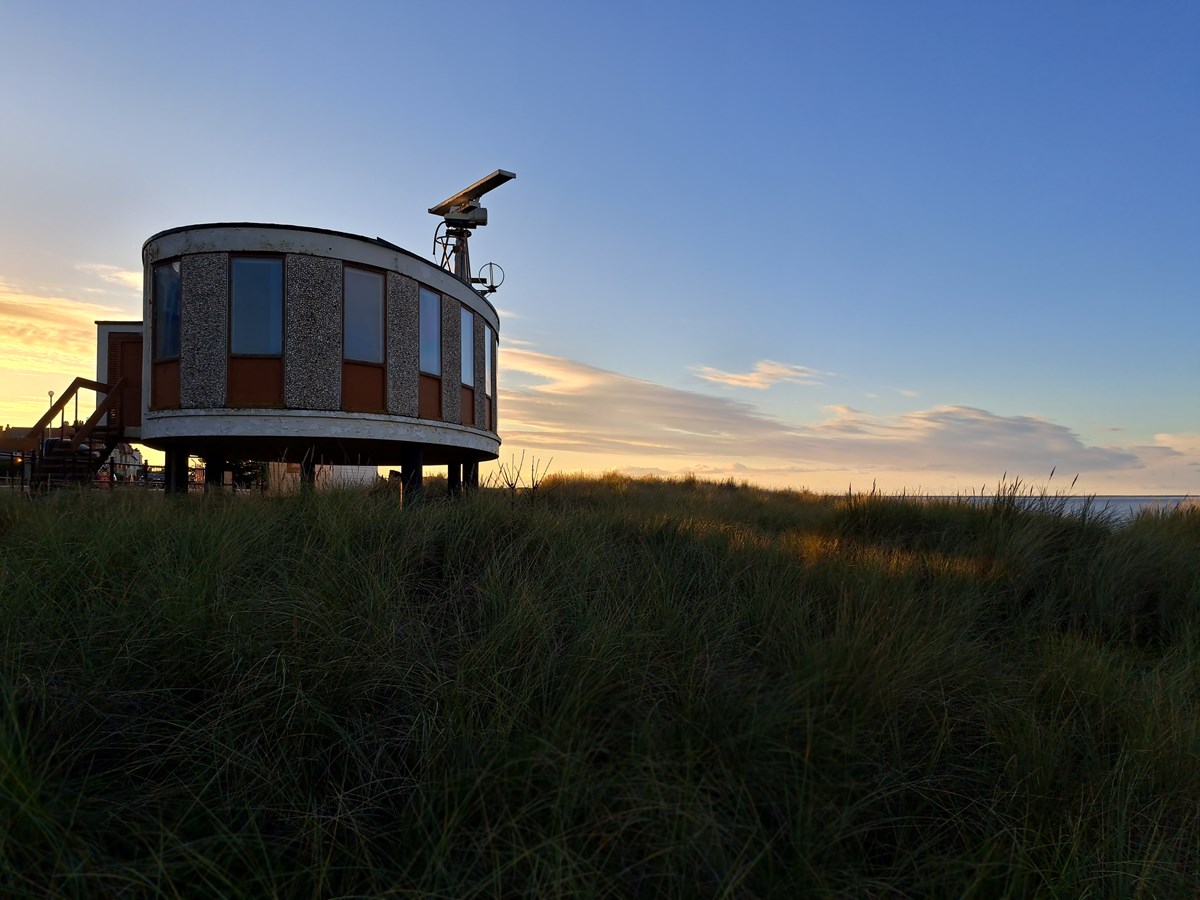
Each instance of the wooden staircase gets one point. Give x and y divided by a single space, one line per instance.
61 462
73 460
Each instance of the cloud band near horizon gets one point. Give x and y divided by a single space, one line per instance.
555 405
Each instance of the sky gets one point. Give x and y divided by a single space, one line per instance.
814 245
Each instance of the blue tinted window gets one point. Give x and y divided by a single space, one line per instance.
166 310
468 348
256 306
363 336
431 332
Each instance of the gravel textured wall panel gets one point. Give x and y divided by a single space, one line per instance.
203 326
451 360
402 345
312 373
480 380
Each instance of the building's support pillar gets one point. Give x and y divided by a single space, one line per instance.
471 475
214 473
175 471
411 474
454 473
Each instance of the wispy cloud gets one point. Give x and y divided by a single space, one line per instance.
48 334
45 340
766 372
563 406
113 275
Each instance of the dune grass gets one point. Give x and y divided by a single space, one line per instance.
628 688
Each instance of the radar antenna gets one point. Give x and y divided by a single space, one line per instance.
461 214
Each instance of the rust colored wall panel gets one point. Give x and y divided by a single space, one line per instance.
255 382
125 361
164 385
468 406
363 387
430 400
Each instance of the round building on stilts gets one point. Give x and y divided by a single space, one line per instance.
284 343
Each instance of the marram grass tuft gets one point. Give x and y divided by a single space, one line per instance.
626 688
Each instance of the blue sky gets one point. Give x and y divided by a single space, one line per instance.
805 244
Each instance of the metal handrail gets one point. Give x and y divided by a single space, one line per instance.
33 438
112 400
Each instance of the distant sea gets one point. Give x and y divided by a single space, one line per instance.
1121 508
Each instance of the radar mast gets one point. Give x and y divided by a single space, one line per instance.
461 214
